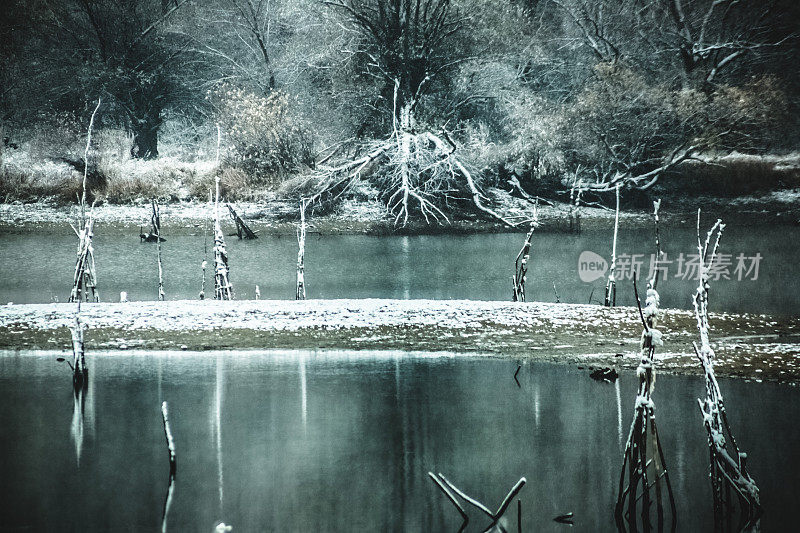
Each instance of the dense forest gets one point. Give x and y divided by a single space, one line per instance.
429 101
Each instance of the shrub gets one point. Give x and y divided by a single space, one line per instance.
267 140
233 185
623 123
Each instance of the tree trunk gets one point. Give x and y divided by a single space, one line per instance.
145 137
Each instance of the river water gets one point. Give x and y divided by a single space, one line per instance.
338 441
39 268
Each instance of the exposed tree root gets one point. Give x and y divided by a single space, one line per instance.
413 171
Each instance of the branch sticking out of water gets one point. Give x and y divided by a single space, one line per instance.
643 464
495 516
728 463
611 285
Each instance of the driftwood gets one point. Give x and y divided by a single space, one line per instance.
611 284
566 518
451 491
643 466
243 231
729 474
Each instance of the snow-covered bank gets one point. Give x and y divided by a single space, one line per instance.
275 215
754 346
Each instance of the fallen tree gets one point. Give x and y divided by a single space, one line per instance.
414 171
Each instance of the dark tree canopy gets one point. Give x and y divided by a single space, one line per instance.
404 44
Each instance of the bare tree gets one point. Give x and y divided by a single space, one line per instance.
712 35
653 99
244 37
126 52
404 44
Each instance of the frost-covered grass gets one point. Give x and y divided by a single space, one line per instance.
753 346
29 178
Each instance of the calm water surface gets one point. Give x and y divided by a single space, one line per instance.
336 441
39 268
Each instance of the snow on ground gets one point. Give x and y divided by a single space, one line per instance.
283 315
747 345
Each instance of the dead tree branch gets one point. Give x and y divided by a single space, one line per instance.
611 284
444 484
242 229
643 465
728 462
300 293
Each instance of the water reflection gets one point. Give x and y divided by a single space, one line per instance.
76 426
218 392
405 269
619 412
83 414
303 391
375 424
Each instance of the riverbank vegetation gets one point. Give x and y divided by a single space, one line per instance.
423 107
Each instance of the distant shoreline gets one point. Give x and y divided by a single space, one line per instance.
277 217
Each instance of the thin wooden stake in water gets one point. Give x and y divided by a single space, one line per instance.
643 464
521 262
84 283
300 293
204 264
611 285
156 221
86 161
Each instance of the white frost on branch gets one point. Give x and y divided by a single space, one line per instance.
725 470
